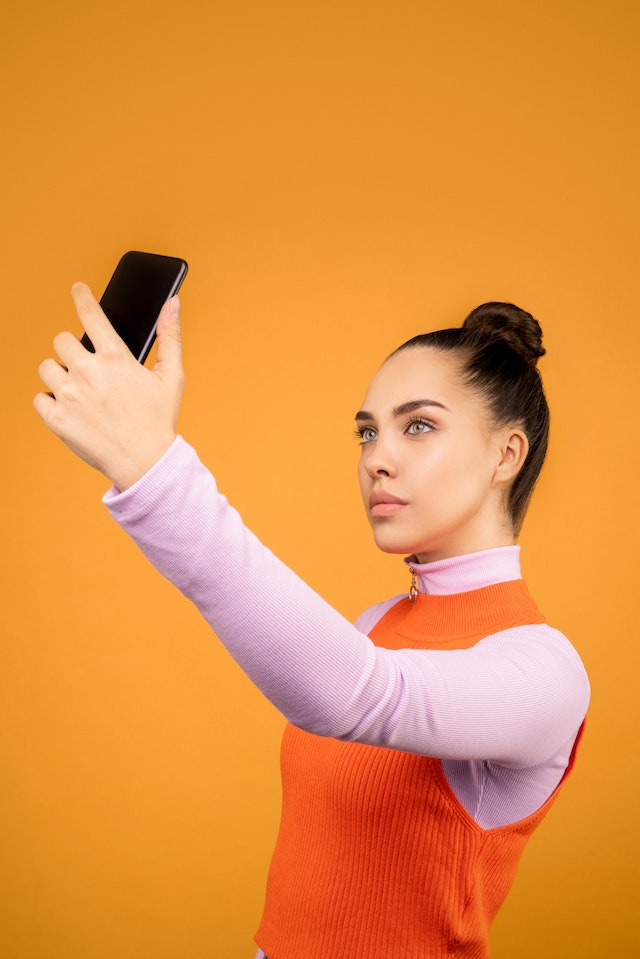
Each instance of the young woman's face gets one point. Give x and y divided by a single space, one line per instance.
429 460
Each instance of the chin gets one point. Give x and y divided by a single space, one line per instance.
386 544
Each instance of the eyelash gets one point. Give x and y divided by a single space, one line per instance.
361 430
422 420
358 434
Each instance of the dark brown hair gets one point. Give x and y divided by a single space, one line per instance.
499 345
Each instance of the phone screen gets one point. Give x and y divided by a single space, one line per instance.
140 286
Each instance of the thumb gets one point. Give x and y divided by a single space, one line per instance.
169 351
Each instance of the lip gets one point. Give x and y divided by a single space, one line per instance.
382 503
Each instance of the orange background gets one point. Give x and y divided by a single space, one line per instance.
339 176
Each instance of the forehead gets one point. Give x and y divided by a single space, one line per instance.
417 373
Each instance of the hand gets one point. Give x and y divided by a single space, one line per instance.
110 410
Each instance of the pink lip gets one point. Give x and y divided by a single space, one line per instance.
385 504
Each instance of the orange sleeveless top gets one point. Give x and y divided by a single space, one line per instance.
376 858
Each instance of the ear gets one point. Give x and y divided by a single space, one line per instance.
514 447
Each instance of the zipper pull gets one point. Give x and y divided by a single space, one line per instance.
413 588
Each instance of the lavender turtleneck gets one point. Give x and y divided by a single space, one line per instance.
502 716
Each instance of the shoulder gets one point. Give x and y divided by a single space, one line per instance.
544 650
536 636
371 616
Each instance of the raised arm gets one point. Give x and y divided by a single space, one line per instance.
514 698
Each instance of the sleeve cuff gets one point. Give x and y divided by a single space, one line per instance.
154 480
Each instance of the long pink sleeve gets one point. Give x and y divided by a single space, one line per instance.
516 698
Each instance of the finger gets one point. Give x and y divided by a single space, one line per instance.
69 348
44 404
169 351
91 315
53 375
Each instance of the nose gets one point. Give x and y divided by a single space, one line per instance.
379 459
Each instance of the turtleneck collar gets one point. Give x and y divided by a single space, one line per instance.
459 574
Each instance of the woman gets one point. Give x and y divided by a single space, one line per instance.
473 705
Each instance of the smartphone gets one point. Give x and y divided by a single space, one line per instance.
140 286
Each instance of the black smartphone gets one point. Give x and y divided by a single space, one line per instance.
140 286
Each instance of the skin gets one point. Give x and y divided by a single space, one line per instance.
112 412
446 463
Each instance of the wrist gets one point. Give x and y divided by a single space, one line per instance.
127 470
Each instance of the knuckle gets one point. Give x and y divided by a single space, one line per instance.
66 392
53 416
82 368
111 347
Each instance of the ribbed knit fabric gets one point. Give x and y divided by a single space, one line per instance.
374 837
376 858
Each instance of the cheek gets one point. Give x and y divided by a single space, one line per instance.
463 465
363 477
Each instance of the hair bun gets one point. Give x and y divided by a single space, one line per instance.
508 322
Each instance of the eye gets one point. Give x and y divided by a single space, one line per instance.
365 434
416 427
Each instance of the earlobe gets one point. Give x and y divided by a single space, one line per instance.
513 453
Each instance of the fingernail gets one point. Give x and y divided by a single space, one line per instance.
174 306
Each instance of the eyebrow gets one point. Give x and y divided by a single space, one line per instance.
404 408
